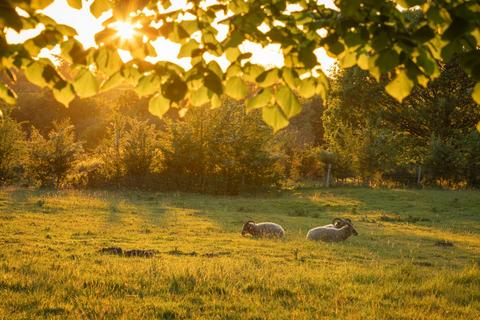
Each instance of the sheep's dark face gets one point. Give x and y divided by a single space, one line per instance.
352 229
248 228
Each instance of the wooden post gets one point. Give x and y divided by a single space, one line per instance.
419 174
329 170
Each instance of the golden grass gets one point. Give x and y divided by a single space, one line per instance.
50 266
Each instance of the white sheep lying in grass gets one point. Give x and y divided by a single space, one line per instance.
263 229
332 232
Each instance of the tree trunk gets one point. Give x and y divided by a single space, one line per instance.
419 174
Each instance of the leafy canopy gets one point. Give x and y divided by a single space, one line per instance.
384 37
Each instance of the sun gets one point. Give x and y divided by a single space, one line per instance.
125 30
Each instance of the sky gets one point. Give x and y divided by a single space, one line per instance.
87 26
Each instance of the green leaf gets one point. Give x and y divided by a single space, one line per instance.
187 49
323 85
362 61
307 57
423 34
40 4
291 78
476 93
262 99
76 4
347 59
9 17
373 68
108 60
307 88
99 6
66 30
274 117
252 71
199 97
64 93
148 84
115 80
190 26
34 73
288 102
387 60
72 51
428 65
456 29
131 74
236 88
85 84
234 70
158 105
7 95
400 87
174 89
213 83
268 78
232 54
215 101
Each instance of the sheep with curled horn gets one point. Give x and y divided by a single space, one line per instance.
263 229
339 230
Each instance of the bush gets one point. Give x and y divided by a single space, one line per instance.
217 151
51 159
130 155
12 149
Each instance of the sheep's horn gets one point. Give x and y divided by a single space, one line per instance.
336 220
348 220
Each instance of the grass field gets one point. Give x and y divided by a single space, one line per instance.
50 266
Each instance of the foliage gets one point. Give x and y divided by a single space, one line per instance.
51 159
130 152
380 137
219 151
383 37
12 148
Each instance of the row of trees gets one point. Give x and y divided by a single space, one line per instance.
361 135
216 151
430 138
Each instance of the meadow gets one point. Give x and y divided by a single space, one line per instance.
417 255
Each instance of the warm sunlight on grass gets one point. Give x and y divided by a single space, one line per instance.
205 269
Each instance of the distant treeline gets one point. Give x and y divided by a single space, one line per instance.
360 135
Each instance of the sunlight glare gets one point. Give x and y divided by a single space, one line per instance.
126 31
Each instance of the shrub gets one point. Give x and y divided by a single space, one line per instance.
52 158
217 151
130 154
12 149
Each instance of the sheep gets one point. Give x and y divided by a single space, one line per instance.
331 233
263 229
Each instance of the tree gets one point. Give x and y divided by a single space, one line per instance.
217 151
12 147
52 158
430 132
382 37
